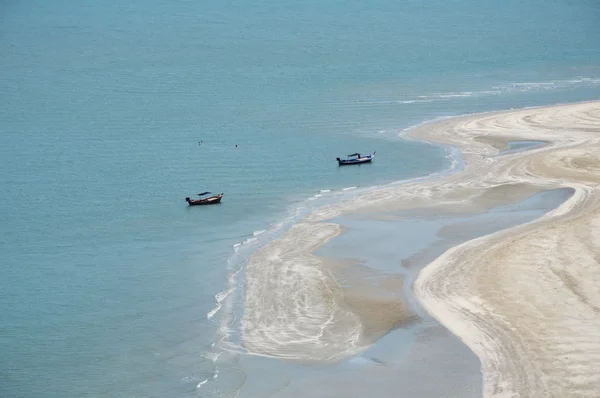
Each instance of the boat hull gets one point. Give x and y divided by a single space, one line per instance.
355 159
343 162
213 200
351 162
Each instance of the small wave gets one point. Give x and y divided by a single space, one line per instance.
219 297
212 356
212 312
233 274
236 247
191 379
250 240
256 233
222 295
436 96
203 382
325 190
544 86
348 188
534 84
585 80
415 101
457 95
508 88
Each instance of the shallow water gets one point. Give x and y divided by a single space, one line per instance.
519 146
111 284
386 254
422 350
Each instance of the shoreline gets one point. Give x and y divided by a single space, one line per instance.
524 299
489 179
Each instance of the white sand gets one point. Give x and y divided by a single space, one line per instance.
296 306
527 300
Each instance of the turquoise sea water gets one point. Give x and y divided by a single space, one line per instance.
106 276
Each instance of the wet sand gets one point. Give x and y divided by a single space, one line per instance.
421 358
524 299
374 259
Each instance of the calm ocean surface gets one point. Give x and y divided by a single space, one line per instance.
110 285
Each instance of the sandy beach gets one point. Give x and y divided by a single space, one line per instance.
525 299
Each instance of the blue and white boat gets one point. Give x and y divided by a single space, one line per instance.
355 158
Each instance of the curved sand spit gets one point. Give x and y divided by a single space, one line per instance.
525 300
299 306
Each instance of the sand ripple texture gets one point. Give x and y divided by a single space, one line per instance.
526 300
293 303
303 307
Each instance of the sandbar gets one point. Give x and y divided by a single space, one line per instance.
525 300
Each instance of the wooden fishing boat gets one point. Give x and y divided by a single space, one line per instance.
355 158
210 200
